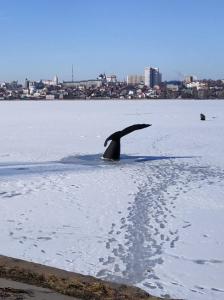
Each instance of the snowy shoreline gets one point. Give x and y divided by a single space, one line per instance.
15 274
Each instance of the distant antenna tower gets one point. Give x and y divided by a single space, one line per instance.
72 74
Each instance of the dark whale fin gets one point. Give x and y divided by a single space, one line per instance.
113 150
202 117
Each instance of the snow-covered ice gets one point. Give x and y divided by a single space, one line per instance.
154 219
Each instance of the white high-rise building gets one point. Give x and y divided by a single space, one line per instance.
55 80
152 77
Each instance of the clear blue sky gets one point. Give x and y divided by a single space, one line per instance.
42 38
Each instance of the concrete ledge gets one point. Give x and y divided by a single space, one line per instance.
15 290
67 283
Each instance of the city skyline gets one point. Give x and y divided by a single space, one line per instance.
41 39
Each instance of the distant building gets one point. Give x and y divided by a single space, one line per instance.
3 84
196 84
111 78
172 87
50 97
135 79
51 82
189 79
12 85
26 84
83 83
32 87
55 80
152 77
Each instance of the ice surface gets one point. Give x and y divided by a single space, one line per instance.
154 219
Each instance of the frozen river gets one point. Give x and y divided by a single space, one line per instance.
154 219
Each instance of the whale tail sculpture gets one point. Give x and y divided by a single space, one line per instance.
202 117
113 150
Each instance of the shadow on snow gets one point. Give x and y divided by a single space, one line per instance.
76 163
